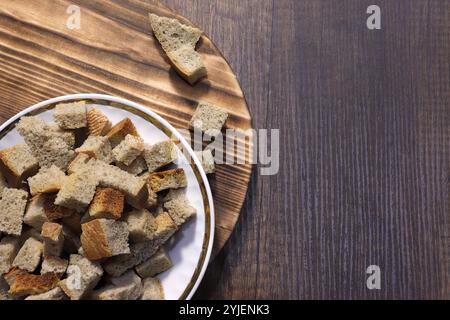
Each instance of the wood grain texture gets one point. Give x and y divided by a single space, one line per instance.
114 52
364 117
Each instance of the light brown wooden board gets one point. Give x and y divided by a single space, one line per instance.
114 52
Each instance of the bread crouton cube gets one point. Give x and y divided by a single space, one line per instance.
209 119
128 149
157 264
54 294
126 287
166 229
17 164
179 208
78 190
136 167
152 199
12 275
12 210
108 203
120 131
35 214
159 154
83 276
97 147
152 289
31 284
9 246
53 236
47 180
102 238
70 115
68 136
141 225
207 160
29 255
56 265
98 124
170 179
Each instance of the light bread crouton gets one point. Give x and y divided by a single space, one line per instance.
17 164
9 246
120 131
97 147
209 119
126 287
77 287
70 115
128 150
98 124
49 147
159 154
141 225
12 210
68 136
53 294
108 203
47 180
179 41
207 160
152 289
56 265
35 214
78 163
102 238
170 179
53 236
157 264
29 256
179 207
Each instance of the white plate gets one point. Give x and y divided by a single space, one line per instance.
190 248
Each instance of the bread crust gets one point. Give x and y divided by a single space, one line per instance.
95 241
31 284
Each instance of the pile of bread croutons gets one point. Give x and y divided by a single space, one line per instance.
86 208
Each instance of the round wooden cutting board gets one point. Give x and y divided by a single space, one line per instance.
114 52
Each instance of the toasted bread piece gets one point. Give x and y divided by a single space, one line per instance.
157 264
12 275
9 246
54 294
17 164
152 289
159 154
179 41
31 284
47 180
126 287
55 212
207 160
179 207
49 147
98 124
128 150
209 119
97 147
141 225
53 236
120 131
78 190
108 203
29 255
56 265
141 251
71 115
12 210
170 179
102 238
136 167
35 214
77 287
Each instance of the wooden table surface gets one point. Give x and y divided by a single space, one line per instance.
364 155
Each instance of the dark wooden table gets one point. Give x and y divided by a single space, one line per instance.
365 152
